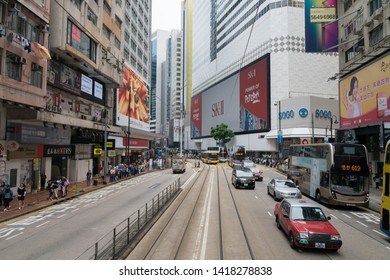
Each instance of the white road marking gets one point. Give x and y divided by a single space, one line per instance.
42 224
347 216
380 233
334 216
63 215
14 236
359 222
269 213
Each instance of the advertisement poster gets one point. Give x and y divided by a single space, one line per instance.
241 101
254 96
365 96
321 30
133 101
196 115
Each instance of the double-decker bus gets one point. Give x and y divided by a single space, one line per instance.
210 156
385 206
237 156
333 173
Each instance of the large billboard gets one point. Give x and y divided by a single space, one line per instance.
321 30
241 101
133 101
365 95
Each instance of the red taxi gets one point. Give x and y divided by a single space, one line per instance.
306 225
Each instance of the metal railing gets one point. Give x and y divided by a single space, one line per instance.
114 244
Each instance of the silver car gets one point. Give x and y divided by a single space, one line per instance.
281 188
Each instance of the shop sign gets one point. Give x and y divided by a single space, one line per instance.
58 150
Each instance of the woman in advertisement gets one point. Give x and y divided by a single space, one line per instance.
352 100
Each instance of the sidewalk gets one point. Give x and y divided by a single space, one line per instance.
39 200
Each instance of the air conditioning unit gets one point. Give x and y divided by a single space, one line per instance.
45 28
49 107
55 109
15 7
20 60
95 119
377 14
59 109
35 67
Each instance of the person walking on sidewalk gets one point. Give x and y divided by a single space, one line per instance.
8 197
2 189
377 180
21 195
89 177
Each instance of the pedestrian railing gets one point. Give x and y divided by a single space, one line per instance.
121 239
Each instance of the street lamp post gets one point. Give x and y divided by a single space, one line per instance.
331 126
128 135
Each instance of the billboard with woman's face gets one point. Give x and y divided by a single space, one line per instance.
365 95
133 101
241 101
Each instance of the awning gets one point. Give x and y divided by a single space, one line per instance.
300 132
41 50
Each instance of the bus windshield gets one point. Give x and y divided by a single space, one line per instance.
348 184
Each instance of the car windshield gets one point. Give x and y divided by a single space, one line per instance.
254 169
307 214
248 163
285 184
244 173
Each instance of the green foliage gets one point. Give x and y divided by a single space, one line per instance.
222 134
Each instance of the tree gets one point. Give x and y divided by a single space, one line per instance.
222 134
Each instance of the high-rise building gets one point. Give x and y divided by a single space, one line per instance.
246 57
76 100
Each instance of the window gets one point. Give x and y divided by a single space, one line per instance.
106 8
36 75
13 69
92 16
106 32
118 21
117 43
26 27
77 3
127 37
126 54
375 5
376 35
81 42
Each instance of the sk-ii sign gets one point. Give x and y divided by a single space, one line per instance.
217 109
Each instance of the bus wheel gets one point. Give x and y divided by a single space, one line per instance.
318 196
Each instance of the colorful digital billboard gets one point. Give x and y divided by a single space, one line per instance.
133 101
365 95
241 101
321 30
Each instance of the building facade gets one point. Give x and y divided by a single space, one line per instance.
61 112
251 51
364 89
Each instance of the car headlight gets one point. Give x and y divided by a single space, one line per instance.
303 235
334 237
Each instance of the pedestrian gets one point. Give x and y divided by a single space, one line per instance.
377 180
8 197
55 189
2 189
50 185
21 194
89 177
65 185
43 180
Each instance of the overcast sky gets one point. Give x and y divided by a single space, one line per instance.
166 14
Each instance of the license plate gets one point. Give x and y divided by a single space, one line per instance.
320 245
245 185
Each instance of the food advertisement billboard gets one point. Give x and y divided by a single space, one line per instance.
133 101
365 95
241 101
